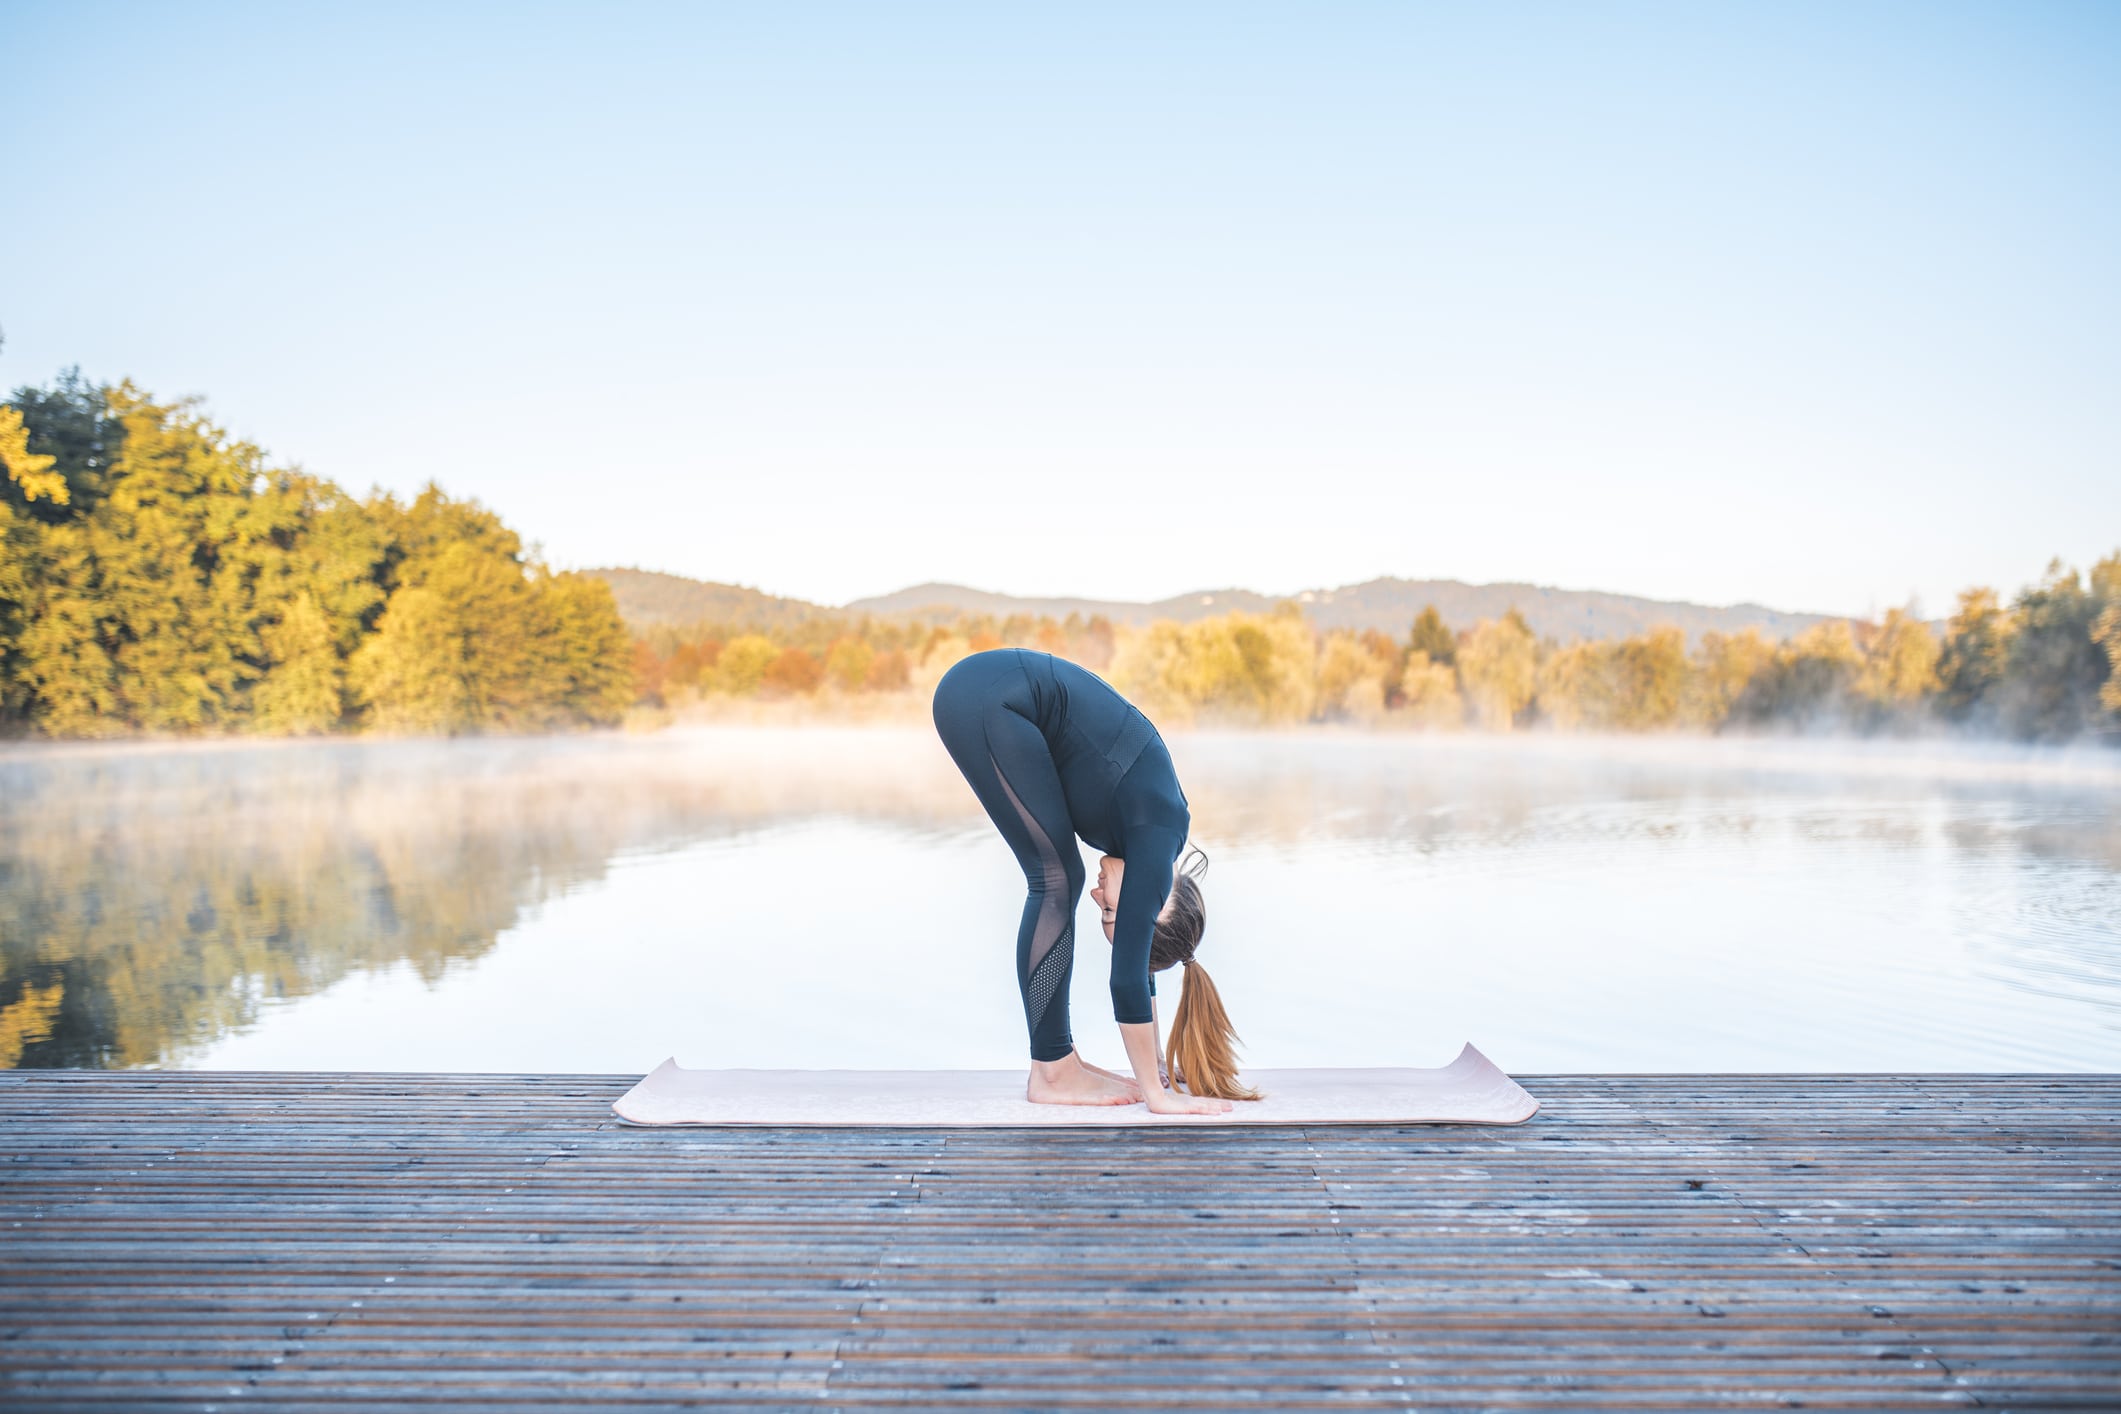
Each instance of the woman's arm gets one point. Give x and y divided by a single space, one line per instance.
1140 1040
1152 851
1144 889
1161 1073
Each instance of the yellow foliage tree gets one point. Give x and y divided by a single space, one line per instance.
1724 666
743 663
1575 687
1810 681
2106 629
457 647
304 692
1899 662
29 471
584 673
1429 692
2106 632
1975 655
1351 680
847 663
1256 668
1498 664
1650 672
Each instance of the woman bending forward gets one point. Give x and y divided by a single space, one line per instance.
1053 752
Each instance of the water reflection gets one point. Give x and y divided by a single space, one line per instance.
793 896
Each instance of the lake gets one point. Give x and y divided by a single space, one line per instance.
821 896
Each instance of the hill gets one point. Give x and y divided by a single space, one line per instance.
1567 615
648 599
1390 605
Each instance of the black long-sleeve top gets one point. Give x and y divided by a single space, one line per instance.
1123 798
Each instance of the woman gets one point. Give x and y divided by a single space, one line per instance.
1052 752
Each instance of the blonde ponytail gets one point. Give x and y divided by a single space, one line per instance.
1202 1047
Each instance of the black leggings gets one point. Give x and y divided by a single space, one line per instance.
990 728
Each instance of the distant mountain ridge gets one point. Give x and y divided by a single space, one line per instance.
648 599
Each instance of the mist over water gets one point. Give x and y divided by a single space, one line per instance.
821 896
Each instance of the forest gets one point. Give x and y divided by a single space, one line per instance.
2038 669
160 577
157 576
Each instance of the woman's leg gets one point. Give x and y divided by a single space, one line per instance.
982 716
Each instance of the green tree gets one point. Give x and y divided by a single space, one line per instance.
2106 632
28 478
71 422
29 474
145 613
1432 638
2054 671
159 575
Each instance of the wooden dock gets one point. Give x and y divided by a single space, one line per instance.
225 1240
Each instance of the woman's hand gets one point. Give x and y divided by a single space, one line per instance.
1170 1102
1140 1041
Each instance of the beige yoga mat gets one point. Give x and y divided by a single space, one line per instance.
1470 1090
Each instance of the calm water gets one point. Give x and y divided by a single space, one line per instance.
829 897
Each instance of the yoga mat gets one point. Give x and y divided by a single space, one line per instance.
1470 1090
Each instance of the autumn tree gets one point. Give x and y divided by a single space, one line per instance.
1899 670
1257 668
2106 632
847 663
1575 687
741 665
889 671
1808 683
583 677
304 693
27 478
1431 637
1351 680
1428 693
1723 667
1974 658
454 651
1498 665
2055 670
792 673
146 609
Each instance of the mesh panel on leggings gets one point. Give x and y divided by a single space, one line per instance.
1053 936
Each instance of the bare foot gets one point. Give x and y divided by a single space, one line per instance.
1067 1082
1134 1091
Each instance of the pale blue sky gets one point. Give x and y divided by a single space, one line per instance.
1810 305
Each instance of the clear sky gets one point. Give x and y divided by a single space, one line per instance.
1815 306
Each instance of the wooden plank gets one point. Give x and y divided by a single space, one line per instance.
488 1242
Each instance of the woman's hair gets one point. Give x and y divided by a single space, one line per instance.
1202 1047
